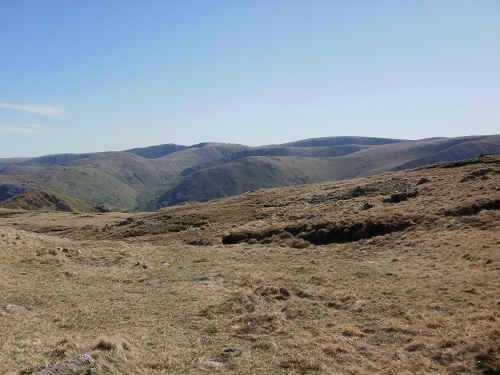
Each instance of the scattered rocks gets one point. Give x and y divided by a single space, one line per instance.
64 250
479 173
155 222
83 364
128 220
11 307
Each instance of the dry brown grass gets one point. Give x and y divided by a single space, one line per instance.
419 300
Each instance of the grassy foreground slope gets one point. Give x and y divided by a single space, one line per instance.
393 274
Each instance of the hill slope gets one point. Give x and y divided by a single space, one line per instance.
47 200
250 173
158 176
390 274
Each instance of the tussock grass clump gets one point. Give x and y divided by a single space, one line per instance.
301 365
296 308
273 292
236 304
419 344
107 345
436 322
258 323
351 331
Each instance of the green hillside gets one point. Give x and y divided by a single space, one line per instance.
46 200
157 176
252 173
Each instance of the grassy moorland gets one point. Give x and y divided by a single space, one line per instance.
392 274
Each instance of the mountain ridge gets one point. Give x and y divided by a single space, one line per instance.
152 177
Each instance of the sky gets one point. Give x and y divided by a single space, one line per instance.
88 76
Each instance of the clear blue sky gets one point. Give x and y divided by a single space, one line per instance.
95 75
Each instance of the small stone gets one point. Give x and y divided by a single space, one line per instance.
12 307
367 206
399 197
423 180
97 369
211 363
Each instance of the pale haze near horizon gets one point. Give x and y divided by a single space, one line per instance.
93 75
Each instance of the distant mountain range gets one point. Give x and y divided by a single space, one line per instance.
153 177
